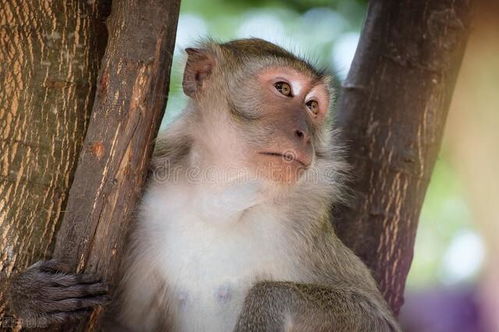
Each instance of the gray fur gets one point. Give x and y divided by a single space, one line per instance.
337 292
330 290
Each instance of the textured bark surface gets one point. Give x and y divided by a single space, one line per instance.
392 113
130 101
49 57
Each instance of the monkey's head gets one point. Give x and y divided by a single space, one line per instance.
263 108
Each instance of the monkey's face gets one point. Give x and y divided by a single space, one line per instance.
269 109
290 108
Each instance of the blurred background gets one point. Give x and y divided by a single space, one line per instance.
453 284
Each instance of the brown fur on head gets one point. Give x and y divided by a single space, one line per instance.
260 107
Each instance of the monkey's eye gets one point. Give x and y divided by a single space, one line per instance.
283 88
313 106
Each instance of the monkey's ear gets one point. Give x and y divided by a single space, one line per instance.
199 66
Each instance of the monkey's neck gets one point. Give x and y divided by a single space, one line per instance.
206 167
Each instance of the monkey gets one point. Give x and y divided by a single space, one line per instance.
234 231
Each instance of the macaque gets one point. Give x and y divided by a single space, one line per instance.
234 230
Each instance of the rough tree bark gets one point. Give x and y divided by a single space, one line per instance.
392 113
130 101
49 57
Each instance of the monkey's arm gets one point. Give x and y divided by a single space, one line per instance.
287 306
47 293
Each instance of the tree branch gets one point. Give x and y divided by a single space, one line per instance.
392 114
131 98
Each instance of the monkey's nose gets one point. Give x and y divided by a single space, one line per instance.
302 135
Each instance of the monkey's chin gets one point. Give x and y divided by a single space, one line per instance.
286 174
277 171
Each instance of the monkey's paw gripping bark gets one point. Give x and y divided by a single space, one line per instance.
47 293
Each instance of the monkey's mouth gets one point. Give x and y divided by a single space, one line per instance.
287 157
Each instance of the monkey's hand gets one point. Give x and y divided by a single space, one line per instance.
288 306
47 293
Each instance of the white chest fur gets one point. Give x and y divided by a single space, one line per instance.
210 260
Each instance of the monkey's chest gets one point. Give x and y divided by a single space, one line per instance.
209 270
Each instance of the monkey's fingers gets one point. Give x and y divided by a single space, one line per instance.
63 274
62 279
53 266
74 304
64 316
77 291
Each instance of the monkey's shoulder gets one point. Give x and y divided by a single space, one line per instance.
170 150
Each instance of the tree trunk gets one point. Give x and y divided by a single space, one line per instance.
49 58
392 114
131 98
